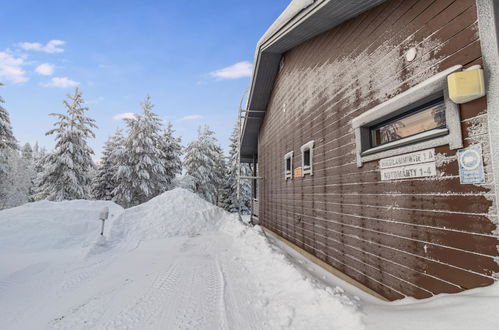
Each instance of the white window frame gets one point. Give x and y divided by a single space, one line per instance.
309 169
420 94
288 174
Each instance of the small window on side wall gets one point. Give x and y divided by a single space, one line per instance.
307 158
288 165
430 116
420 118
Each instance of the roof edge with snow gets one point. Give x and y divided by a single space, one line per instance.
301 21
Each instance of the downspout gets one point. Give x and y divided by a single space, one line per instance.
488 24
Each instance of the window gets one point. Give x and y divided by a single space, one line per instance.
306 158
307 155
288 165
419 118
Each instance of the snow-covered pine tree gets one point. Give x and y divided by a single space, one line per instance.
172 151
202 162
230 201
141 173
17 182
7 139
27 152
220 175
39 157
105 179
68 168
27 155
8 150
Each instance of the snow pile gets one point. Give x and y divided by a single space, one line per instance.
290 299
472 309
44 225
206 271
177 212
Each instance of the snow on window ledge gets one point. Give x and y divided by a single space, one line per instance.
419 94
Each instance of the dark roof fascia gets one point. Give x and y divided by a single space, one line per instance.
319 17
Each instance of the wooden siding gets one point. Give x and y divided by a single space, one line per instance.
414 237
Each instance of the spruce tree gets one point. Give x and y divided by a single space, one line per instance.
8 153
231 202
16 183
28 163
172 151
68 168
220 175
27 152
26 183
203 162
141 171
7 140
39 157
105 179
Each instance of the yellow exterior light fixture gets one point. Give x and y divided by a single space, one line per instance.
467 85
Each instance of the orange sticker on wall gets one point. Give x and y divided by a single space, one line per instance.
297 172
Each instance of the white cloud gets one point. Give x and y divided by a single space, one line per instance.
50 47
45 69
192 117
124 115
11 68
62 82
238 70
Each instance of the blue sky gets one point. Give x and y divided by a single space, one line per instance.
191 57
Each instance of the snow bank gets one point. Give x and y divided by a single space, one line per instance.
44 225
472 309
290 299
177 212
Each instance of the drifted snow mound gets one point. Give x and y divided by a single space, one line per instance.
177 212
44 225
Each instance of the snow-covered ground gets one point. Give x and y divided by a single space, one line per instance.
178 262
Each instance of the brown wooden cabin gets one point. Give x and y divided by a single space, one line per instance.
340 90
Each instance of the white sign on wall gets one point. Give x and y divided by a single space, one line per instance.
471 165
414 165
408 159
410 171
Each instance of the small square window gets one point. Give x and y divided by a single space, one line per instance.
306 158
307 155
288 165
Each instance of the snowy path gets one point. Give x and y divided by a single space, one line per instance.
199 282
175 262
178 262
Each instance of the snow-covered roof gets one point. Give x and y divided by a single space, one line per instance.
295 7
300 21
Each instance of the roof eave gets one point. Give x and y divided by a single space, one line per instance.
319 17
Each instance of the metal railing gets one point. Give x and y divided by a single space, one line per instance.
242 116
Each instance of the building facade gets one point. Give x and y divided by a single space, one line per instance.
366 161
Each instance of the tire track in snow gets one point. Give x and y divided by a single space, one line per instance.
141 313
77 275
222 303
23 275
23 282
240 295
200 290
